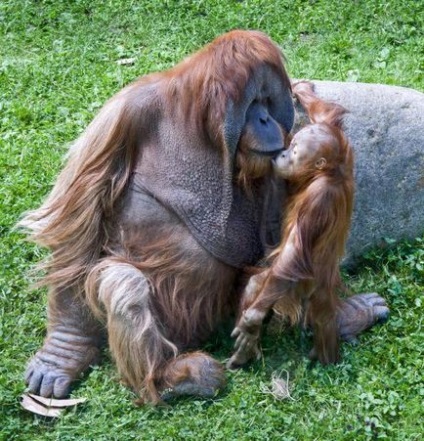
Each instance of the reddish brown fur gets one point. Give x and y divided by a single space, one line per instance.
124 262
218 72
154 287
71 220
306 264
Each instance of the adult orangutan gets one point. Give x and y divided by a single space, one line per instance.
304 274
161 205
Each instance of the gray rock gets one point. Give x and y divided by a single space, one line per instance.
385 126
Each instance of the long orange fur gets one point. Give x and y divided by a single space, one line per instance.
93 258
319 210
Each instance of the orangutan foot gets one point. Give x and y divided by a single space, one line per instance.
303 86
194 374
360 312
61 360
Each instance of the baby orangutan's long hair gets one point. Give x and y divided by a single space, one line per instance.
317 225
318 169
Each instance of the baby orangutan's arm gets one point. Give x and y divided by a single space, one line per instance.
247 330
260 295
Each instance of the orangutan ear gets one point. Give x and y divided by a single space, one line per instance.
320 163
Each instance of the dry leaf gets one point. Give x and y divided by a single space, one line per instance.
48 407
280 387
33 406
51 402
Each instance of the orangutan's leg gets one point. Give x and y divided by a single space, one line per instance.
71 346
360 312
146 359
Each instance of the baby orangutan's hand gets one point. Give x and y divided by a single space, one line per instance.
247 332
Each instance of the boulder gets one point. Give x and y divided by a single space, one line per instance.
385 126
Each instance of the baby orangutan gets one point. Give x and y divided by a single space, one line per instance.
304 277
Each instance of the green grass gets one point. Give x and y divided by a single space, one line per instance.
57 66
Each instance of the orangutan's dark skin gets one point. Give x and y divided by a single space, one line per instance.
159 209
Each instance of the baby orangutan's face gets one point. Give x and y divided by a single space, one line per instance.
304 152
